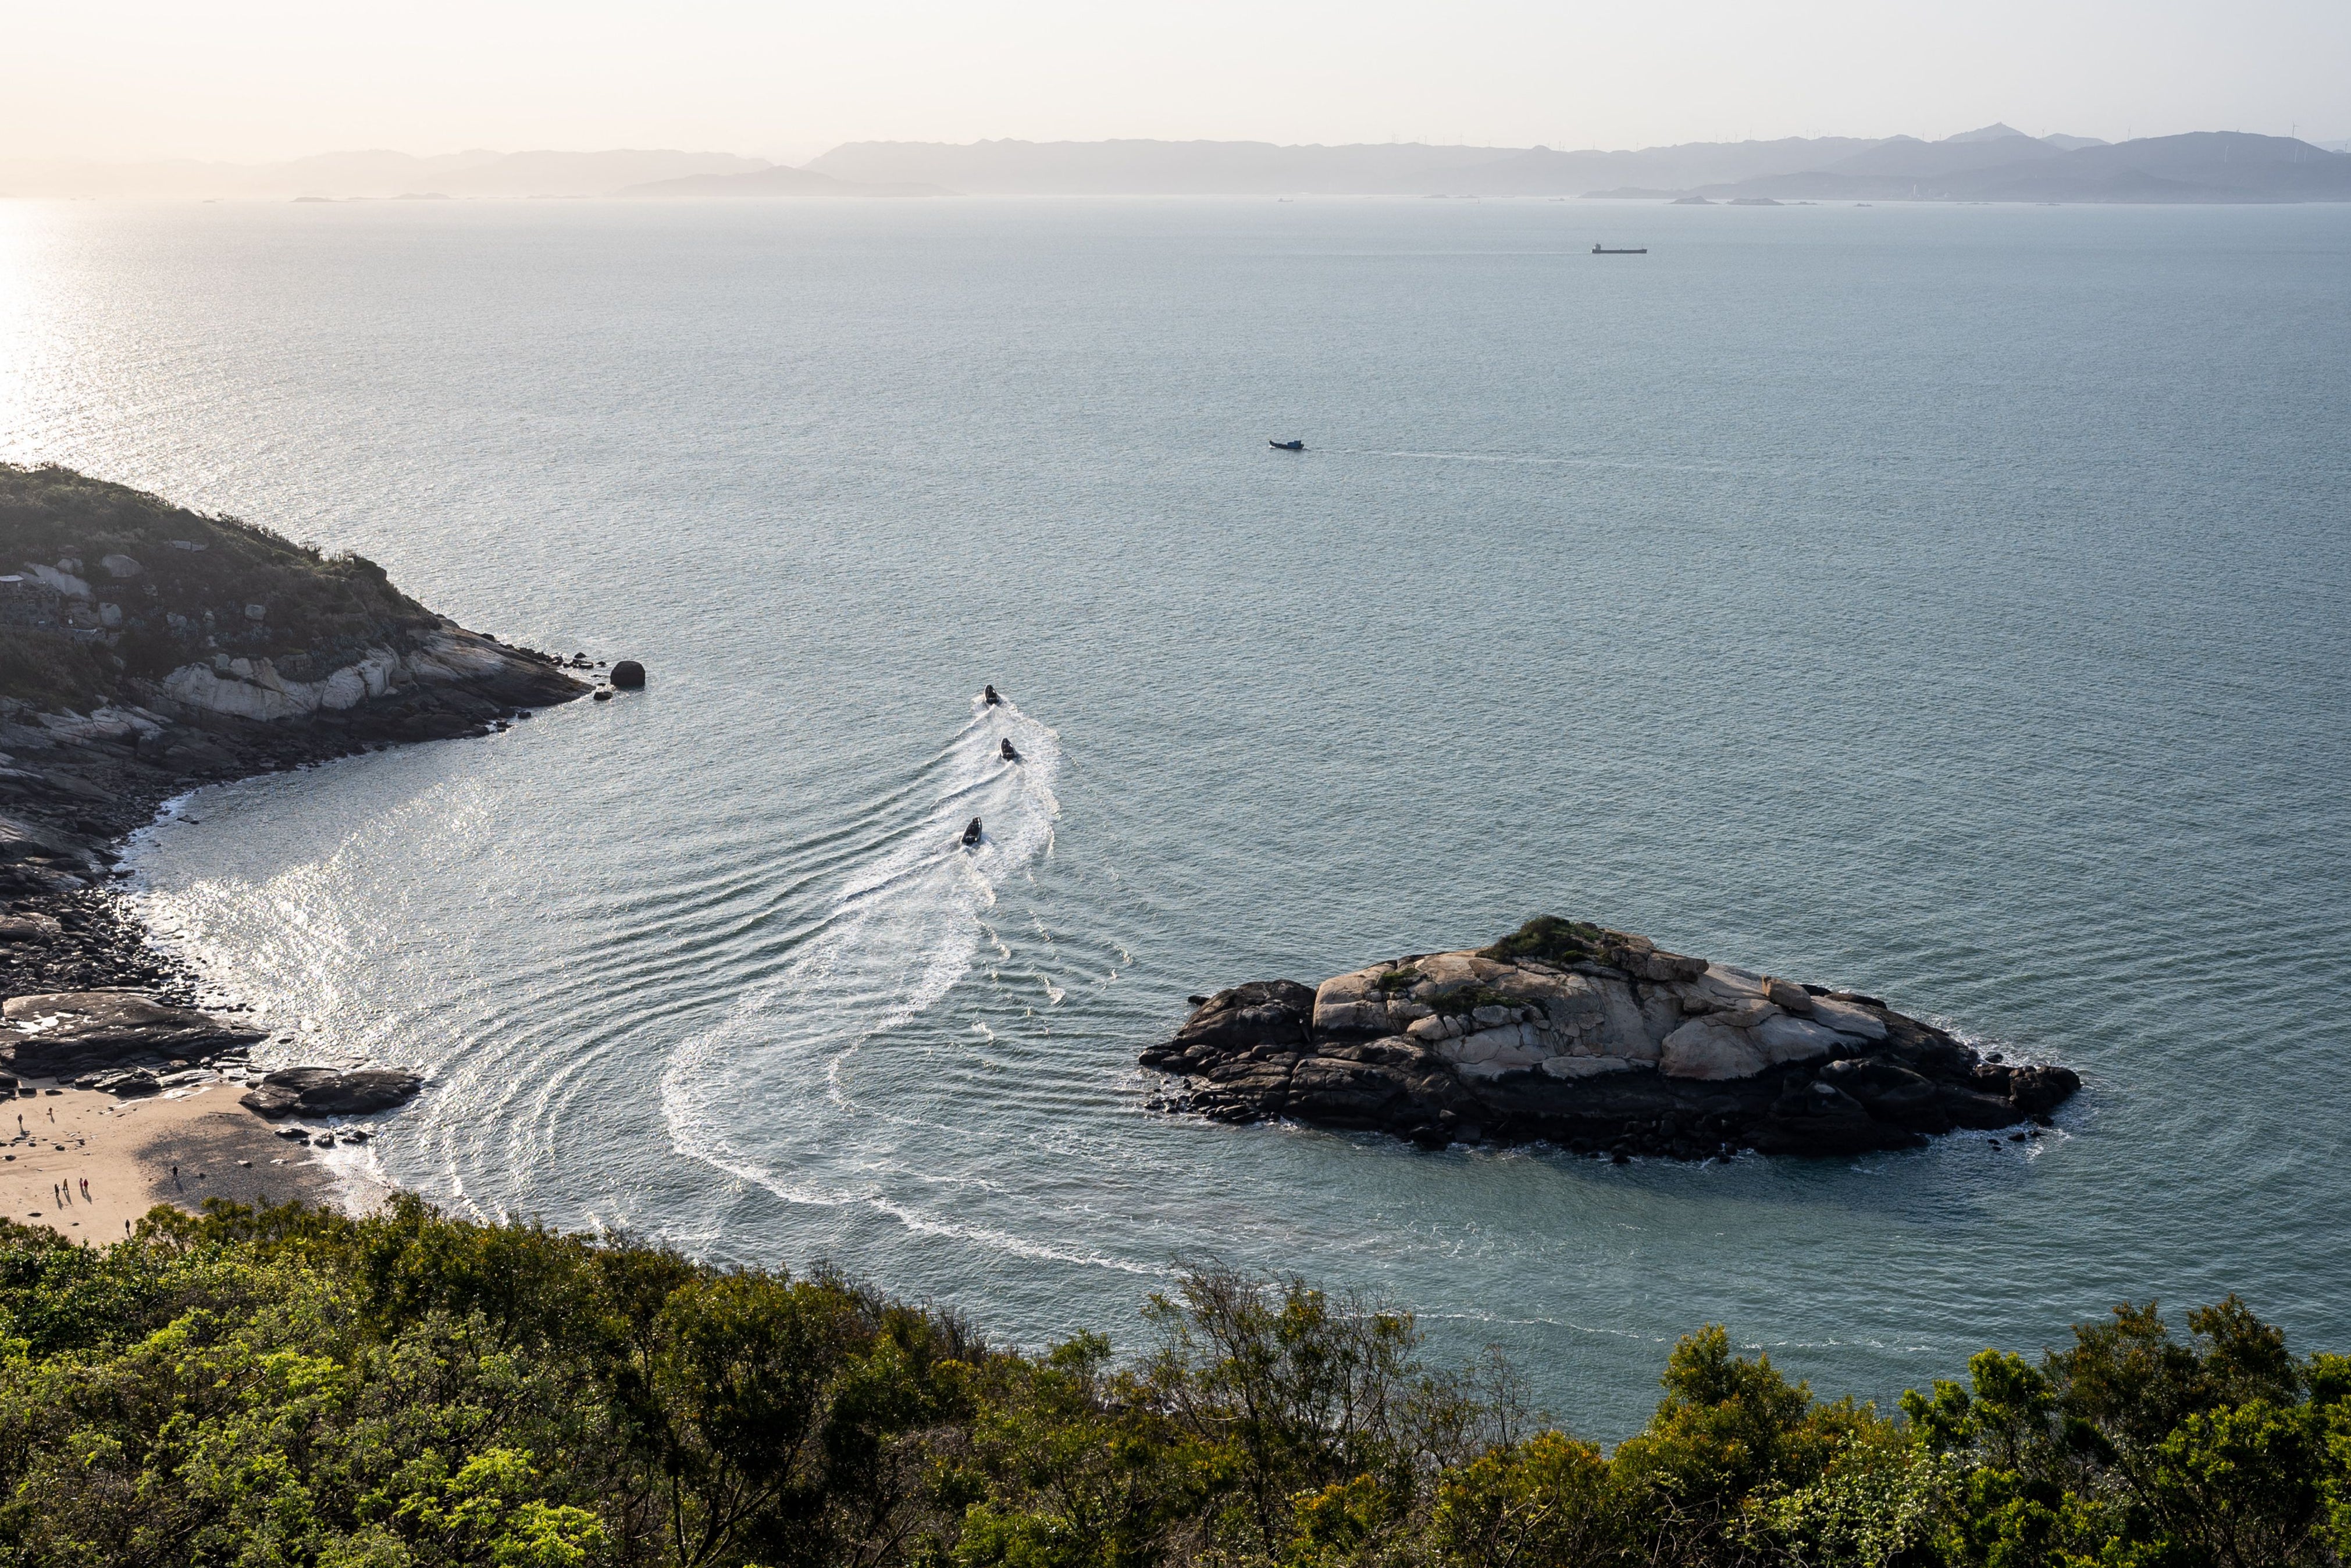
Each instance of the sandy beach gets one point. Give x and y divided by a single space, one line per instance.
178 1148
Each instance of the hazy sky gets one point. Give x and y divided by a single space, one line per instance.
252 79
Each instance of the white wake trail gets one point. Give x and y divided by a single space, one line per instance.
903 928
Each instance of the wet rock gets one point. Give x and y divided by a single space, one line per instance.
54 1034
1596 1040
39 928
627 675
325 1092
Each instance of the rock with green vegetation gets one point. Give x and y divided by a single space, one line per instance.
1572 1033
125 611
146 649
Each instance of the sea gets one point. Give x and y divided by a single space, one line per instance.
1945 601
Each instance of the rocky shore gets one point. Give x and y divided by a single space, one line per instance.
146 650
1598 1041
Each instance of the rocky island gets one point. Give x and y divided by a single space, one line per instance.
1598 1041
146 650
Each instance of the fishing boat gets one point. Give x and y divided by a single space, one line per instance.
1287 445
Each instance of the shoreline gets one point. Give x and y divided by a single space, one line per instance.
180 1147
184 1146
147 651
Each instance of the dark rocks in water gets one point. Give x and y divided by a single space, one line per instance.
602 693
628 675
55 1034
1598 1040
324 1092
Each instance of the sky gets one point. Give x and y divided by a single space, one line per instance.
262 80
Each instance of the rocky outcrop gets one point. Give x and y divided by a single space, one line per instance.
58 1034
324 1092
146 650
1595 1040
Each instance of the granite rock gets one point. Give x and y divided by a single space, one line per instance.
1593 1039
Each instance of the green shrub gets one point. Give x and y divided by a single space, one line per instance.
1548 939
291 1386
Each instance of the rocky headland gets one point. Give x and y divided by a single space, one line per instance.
146 650
1597 1041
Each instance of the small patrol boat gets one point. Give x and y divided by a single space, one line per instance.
971 833
1287 445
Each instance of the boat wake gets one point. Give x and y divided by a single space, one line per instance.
765 1086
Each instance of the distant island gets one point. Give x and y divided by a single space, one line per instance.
1994 164
1598 1041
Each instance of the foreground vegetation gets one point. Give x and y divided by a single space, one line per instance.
292 1387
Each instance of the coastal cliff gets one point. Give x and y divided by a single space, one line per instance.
1598 1041
146 650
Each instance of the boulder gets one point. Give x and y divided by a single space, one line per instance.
1709 1053
1353 1003
1263 1012
120 566
1848 1018
628 675
1784 1039
324 1092
1344 1094
38 929
126 1084
1820 1120
63 1032
264 1101
2037 1091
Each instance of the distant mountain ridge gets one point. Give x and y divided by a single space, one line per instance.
1995 162
1141 168
768 184
2201 166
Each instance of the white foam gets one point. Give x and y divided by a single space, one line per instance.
903 929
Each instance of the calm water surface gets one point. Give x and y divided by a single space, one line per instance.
1945 601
